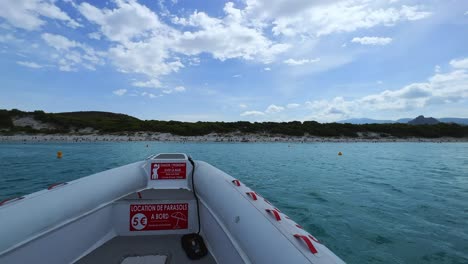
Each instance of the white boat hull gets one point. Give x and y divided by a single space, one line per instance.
150 204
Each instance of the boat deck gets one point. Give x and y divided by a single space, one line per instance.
119 248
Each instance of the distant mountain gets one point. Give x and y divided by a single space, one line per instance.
461 121
421 120
404 120
360 121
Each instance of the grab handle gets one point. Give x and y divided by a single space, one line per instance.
10 200
253 195
55 185
308 243
275 213
236 182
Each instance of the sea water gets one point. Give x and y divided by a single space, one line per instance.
377 203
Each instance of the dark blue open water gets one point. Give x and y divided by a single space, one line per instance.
378 203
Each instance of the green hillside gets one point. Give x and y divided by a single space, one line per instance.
105 122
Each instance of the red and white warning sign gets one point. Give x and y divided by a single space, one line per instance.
168 171
148 217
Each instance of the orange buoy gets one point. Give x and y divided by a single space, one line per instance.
59 154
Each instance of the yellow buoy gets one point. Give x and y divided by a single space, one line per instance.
59 154
340 154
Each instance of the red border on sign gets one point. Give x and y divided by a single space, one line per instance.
153 217
168 171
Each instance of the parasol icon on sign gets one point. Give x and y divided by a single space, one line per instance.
180 217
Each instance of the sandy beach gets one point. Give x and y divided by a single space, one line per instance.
235 137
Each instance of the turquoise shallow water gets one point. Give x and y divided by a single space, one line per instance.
378 203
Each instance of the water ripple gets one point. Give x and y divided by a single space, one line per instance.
378 203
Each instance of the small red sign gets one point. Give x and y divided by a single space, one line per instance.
149 217
168 171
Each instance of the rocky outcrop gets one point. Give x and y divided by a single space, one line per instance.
421 120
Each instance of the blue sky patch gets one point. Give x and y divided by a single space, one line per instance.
255 60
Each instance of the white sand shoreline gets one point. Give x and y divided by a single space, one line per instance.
235 137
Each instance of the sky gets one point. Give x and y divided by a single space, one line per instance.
252 60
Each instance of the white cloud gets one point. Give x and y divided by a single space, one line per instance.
150 95
141 43
459 63
72 54
9 38
274 109
127 21
437 69
230 37
194 61
237 76
405 98
179 89
294 62
270 110
139 30
120 92
147 46
29 14
252 113
327 17
59 42
329 110
132 21
292 106
379 82
372 41
95 35
150 58
29 64
153 83
441 88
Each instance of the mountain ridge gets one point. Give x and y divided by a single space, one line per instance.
361 121
421 120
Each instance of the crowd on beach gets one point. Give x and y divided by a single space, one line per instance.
165 137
